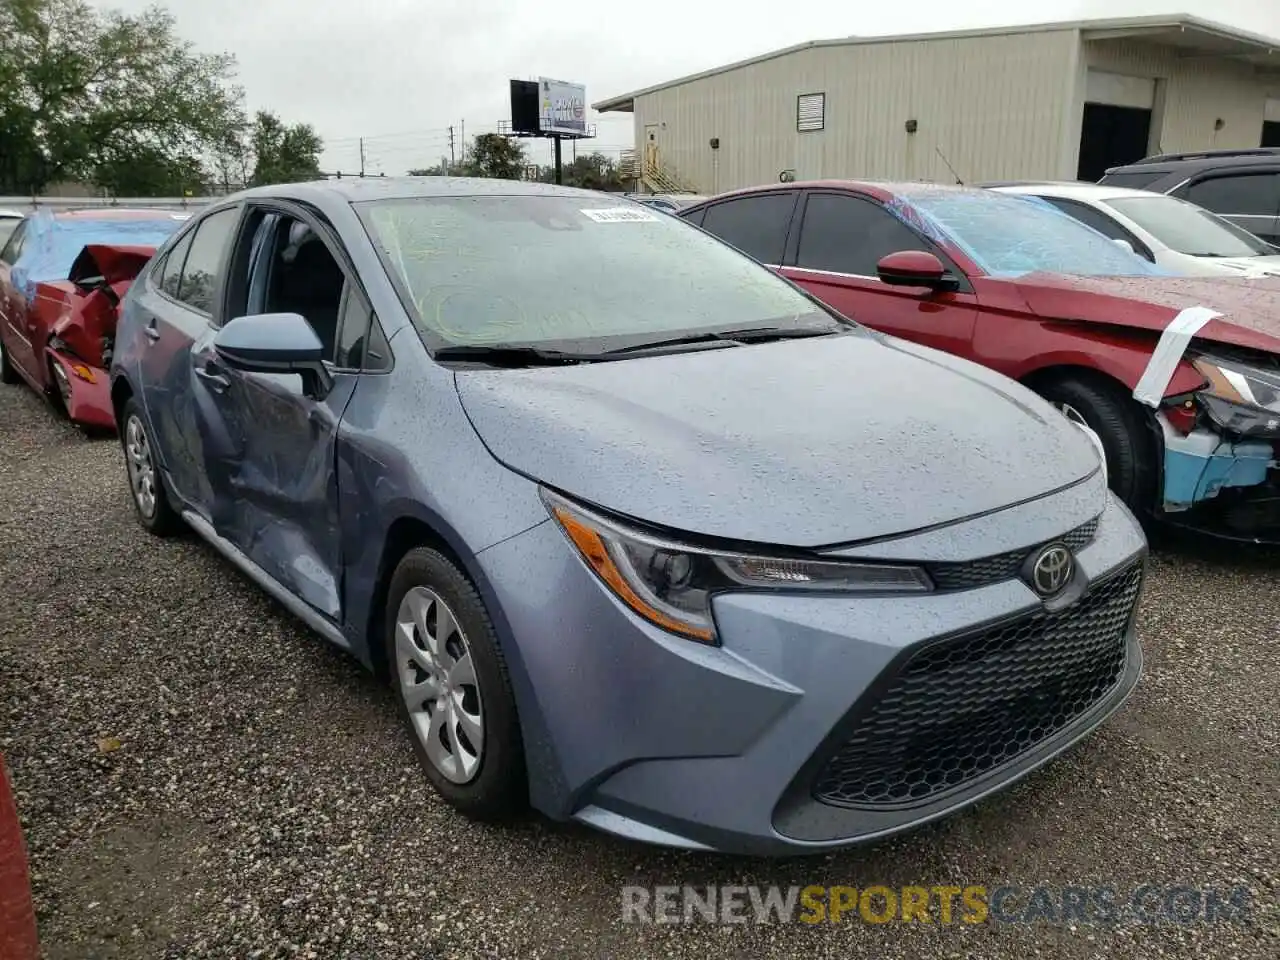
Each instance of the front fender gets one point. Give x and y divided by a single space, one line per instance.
1119 355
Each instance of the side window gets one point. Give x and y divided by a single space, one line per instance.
13 248
203 267
353 330
843 234
171 272
1257 194
295 272
362 345
1091 217
756 225
377 355
695 217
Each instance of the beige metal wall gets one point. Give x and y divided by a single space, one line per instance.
998 107
1193 92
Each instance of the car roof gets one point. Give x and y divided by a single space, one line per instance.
1073 190
361 189
9 214
1201 160
879 188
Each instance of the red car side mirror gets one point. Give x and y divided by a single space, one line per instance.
915 268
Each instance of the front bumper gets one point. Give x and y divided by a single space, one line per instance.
89 396
657 738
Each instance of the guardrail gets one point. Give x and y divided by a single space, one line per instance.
98 203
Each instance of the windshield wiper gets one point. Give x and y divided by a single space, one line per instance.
511 356
745 335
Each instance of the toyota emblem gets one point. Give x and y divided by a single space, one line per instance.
1052 570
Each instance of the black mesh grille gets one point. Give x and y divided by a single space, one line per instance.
961 708
1003 566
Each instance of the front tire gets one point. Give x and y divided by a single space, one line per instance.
150 499
7 373
453 689
1120 424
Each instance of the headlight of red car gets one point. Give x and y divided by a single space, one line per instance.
1241 398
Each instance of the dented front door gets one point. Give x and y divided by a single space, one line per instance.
280 505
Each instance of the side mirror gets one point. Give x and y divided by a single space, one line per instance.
915 268
275 343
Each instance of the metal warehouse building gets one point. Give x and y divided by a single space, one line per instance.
1051 101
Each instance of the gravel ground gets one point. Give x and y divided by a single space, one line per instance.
198 776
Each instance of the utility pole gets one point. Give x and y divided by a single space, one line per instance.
362 156
463 138
452 164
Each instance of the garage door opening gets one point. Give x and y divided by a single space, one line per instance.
1111 136
1271 125
1116 126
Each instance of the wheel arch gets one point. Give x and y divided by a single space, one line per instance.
1152 435
121 391
414 526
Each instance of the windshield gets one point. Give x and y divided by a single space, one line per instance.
542 269
1008 235
1189 229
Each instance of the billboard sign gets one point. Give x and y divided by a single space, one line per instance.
562 107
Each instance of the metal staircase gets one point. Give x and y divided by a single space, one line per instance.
656 176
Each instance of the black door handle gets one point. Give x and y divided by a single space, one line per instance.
216 381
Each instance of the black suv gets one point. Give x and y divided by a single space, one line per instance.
1241 185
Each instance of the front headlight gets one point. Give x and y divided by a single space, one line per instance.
671 584
1240 398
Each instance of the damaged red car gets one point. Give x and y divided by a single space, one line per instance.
61 279
1178 377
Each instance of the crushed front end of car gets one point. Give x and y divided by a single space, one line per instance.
1221 464
83 336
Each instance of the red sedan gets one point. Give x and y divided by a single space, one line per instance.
1178 376
61 279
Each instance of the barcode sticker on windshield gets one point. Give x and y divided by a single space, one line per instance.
620 215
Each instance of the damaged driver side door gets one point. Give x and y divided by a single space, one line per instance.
276 436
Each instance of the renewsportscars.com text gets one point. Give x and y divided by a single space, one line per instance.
942 904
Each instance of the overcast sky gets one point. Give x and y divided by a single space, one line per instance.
400 72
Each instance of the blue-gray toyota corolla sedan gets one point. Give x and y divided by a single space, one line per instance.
639 532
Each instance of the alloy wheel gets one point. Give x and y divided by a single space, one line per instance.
142 471
438 682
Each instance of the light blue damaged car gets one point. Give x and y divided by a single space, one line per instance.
640 533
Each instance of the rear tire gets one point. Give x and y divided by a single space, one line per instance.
453 689
1120 423
151 502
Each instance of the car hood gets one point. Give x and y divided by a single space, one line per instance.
113 262
808 443
1247 266
1250 307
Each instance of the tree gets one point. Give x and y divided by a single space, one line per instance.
493 155
283 154
592 171
107 98
439 170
